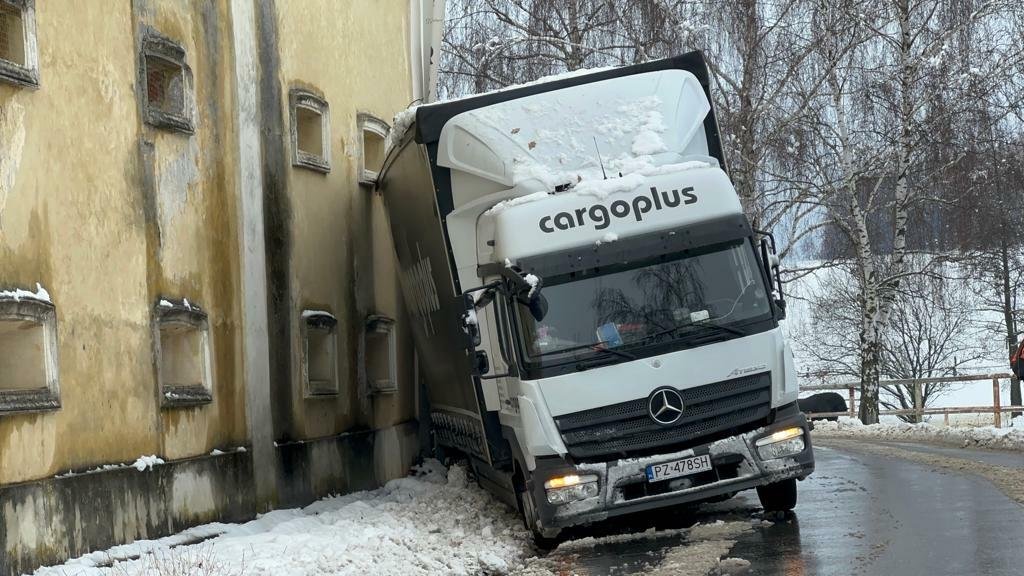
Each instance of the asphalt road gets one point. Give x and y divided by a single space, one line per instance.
859 514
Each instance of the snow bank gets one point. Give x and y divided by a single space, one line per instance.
981 437
434 522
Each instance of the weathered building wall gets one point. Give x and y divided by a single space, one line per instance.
335 252
116 215
73 220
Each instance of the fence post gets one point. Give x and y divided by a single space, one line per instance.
996 412
853 414
918 404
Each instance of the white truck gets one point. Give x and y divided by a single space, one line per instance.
597 322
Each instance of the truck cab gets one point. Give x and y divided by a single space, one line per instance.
599 323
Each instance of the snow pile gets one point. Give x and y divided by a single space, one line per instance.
517 201
602 189
404 119
533 281
147 462
981 437
399 126
18 294
434 522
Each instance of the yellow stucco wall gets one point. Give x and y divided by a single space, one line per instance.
71 221
356 55
109 214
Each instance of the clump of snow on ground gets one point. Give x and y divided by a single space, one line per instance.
434 522
980 437
733 566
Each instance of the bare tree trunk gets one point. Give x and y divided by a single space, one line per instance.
745 170
1011 327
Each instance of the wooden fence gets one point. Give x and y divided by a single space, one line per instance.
853 388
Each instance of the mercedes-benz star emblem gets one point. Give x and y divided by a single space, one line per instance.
665 406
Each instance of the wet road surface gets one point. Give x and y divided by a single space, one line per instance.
859 513
994 457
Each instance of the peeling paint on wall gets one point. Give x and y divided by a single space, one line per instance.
12 135
175 177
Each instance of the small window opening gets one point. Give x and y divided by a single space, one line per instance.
28 352
373 133
320 353
18 60
381 355
167 81
165 86
183 354
311 131
12 35
22 359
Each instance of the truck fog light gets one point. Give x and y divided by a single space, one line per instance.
784 443
565 489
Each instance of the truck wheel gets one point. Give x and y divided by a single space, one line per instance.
544 538
778 497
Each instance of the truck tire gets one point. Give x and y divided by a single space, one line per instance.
778 497
544 538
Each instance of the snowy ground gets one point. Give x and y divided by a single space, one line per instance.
976 437
434 522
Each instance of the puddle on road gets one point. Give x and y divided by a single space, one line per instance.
665 549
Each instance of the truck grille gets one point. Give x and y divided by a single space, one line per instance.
624 429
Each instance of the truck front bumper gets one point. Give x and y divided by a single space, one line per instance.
623 487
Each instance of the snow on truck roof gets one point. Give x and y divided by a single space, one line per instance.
431 118
429 121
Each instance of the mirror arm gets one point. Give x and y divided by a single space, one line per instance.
495 376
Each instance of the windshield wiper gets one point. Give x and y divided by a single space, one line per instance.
595 346
718 327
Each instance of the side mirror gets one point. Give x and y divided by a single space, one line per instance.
771 261
469 325
781 305
538 306
481 363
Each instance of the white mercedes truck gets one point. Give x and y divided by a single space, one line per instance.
597 322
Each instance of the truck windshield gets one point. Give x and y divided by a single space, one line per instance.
674 297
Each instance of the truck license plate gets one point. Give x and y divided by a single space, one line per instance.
684 467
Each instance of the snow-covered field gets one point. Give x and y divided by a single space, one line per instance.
433 522
973 437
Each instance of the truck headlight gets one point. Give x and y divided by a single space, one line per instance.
565 489
783 443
